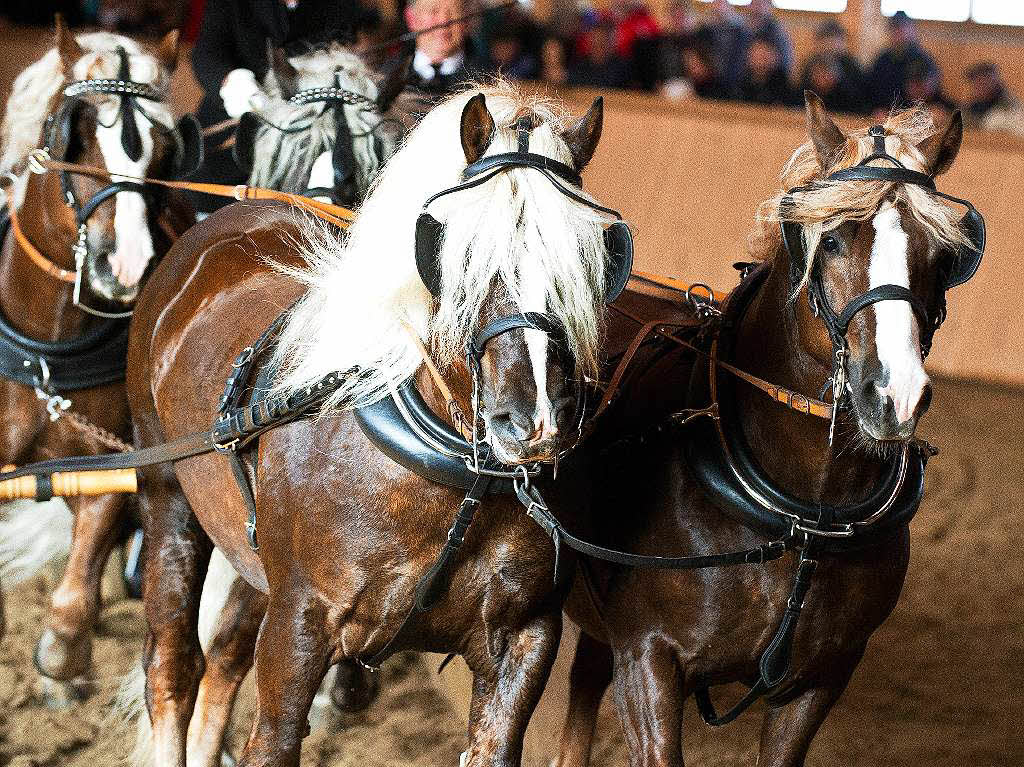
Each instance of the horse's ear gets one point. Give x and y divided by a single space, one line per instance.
392 82
167 50
826 136
67 46
940 149
584 135
284 72
477 128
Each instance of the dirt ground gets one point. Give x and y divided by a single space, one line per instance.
942 683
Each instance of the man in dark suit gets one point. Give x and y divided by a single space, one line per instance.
442 62
893 66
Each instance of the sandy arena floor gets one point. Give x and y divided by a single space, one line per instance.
942 683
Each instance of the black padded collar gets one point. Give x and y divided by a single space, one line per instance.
708 452
95 358
408 432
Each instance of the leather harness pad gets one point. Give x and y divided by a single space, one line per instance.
189 155
384 425
245 139
94 359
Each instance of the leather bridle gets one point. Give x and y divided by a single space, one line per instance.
57 131
837 324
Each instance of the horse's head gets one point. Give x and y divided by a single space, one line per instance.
108 113
327 124
883 248
517 259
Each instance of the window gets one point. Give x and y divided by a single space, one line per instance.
828 6
981 11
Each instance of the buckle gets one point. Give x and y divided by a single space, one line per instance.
37 160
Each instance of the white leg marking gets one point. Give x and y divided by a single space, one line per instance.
896 331
134 246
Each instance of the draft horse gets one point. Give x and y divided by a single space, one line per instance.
503 300
848 293
73 251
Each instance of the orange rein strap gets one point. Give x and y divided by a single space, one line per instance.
334 214
791 399
48 266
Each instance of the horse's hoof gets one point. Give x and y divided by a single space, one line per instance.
58 695
60 659
354 688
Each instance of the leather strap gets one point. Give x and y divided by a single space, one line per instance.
530 320
791 399
34 254
523 160
334 214
676 284
883 173
888 292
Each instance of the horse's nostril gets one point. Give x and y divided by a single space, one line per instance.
511 425
925 402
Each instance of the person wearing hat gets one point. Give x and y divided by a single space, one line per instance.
834 73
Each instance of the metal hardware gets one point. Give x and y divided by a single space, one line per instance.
37 160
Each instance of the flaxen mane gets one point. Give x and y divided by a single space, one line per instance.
832 203
34 89
514 228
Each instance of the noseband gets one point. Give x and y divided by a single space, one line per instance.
58 132
963 266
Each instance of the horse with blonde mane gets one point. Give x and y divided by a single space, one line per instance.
510 265
73 252
853 262
326 124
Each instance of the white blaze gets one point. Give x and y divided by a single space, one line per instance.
896 331
322 173
134 246
534 295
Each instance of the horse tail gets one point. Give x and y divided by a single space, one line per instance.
31 535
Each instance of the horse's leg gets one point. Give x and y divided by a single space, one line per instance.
355 688
292 656
229 656
506 688
177 553
589 678
64 650
649 695
787 731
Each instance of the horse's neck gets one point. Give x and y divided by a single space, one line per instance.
36 304
793 447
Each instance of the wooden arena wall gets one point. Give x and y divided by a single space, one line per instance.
689 178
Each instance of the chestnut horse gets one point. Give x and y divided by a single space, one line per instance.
659 637
344 533
94 99
325 125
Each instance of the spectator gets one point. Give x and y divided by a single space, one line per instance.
826 75
442 62
924 86
891 70
834 73
764 79
600 66
552 61
698 75
633 23
766 25
990 104
509 57
677 37
729 37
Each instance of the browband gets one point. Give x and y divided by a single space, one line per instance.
533 320
524 160
897 175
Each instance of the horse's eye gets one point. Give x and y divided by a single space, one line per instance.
829 244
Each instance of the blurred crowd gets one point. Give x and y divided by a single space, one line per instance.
708 50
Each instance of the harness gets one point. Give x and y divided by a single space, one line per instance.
57 132
334 99
958 267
